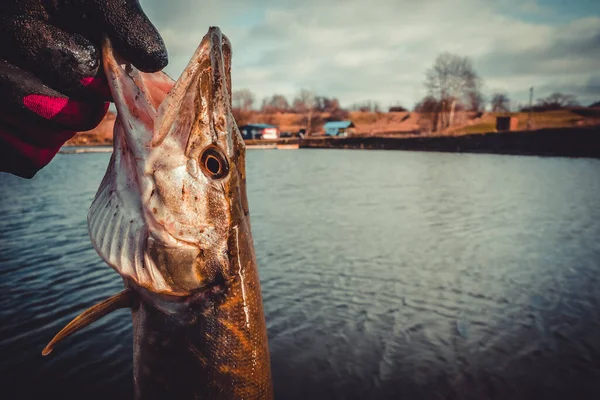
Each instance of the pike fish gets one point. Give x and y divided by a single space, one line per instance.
171 217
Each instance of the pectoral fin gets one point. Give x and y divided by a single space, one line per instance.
92 314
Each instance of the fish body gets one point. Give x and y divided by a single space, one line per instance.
171 217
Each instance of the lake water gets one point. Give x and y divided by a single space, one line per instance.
385 275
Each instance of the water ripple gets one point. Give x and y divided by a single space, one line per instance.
384 275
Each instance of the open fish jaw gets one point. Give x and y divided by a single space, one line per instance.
162 214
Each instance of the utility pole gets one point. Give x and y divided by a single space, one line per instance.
530 107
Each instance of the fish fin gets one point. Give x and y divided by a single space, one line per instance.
92 314
116 224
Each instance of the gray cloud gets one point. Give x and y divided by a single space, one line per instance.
569 50
379 49
587 92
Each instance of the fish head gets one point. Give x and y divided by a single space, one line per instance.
172 208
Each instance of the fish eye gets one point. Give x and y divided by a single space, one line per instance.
214 163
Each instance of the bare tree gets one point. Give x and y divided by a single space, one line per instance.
275 103
557 101
450 81
242 99
242 117
500 102
279 102
366 106
397 108
333 105
326 104
307 99
376 107
304 103
428 109
475 99
339 114
429 104
265 105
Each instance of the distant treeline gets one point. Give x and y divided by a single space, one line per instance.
452 85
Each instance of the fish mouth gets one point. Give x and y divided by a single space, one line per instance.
138 223
203 91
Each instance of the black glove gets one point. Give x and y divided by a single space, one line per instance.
51 79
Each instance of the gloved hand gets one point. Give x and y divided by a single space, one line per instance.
51 79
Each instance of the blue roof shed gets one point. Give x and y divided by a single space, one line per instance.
334 128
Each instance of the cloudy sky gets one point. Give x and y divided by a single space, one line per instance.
379 50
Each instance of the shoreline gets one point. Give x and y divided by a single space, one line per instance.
548 142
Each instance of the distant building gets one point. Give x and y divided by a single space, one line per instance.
339 128
506 124
259 131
